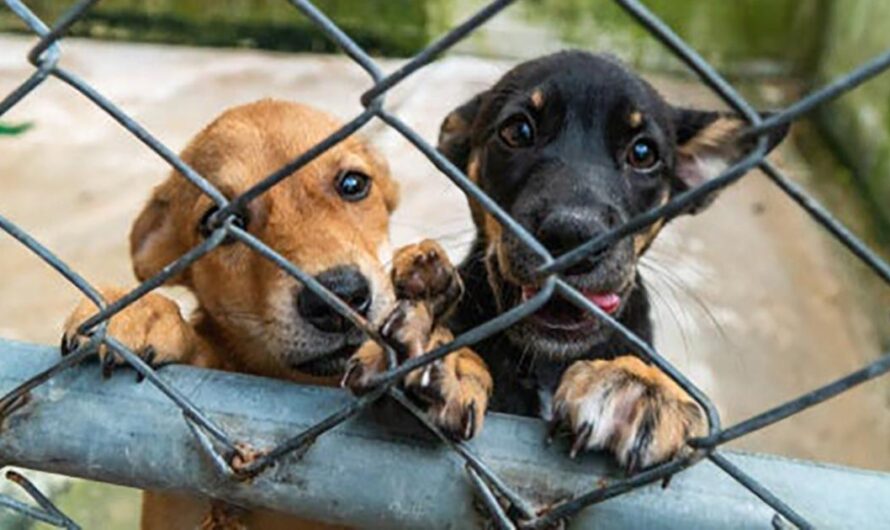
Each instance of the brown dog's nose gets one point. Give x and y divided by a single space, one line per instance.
349 285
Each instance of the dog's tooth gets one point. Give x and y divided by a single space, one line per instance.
425 376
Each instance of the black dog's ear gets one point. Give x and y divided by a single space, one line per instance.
708 143
455 132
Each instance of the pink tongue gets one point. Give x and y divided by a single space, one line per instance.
528 291
608 302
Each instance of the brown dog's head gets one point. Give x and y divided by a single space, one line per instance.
573 145
330 218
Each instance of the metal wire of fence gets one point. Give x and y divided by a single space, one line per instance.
505 506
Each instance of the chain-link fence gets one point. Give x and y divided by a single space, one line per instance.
504 505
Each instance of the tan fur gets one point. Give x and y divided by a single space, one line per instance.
611 399
643 240
151 321
176 511
476 210
238 291
461 381
537 98
456 387
635 119
720 133
453 124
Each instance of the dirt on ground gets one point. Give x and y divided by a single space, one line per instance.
754 302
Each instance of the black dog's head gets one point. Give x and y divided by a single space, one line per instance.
573 145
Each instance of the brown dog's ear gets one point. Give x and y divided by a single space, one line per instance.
708 143
155 239
455 132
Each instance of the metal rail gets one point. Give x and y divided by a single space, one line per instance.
115 431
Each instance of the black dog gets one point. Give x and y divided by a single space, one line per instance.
572 145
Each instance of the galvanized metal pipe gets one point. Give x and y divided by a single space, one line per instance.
380 469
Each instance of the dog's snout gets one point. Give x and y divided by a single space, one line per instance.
562 231
349 285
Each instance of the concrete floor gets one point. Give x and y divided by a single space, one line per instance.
755 303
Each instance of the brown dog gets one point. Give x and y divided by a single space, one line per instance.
331 219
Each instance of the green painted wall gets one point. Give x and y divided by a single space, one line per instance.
388 27
763 36
859 122
740 36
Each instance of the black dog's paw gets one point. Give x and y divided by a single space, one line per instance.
627 407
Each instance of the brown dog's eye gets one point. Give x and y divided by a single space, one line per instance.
518 132
352 185
642 154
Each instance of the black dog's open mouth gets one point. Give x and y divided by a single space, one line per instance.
561 315
331 364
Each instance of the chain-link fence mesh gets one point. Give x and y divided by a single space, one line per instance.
504 505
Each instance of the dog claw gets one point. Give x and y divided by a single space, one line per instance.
148 355
581 439
429 386
393 321
353 373
633 461
469 427
107 366
66 345
425 376
553 428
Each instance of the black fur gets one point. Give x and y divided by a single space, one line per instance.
574 180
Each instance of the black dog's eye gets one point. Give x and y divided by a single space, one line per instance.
518 132
352 185
642 154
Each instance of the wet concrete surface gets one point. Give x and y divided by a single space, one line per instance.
754 302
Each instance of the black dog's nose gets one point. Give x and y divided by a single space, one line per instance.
349 285
564 230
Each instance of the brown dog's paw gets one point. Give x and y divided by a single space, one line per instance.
368 361
407 328
152 327
455 389
422 272
627 407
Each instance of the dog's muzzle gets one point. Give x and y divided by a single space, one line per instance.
345 282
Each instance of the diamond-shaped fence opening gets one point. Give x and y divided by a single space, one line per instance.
507 507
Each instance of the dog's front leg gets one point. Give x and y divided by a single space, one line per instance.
627 407
456 388
152 327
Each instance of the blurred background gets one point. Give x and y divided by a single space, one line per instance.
753 300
